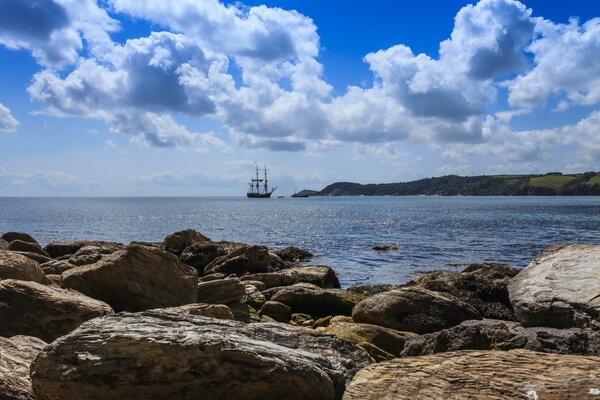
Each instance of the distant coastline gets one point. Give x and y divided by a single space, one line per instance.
550 184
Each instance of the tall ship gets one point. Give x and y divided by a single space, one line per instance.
259 188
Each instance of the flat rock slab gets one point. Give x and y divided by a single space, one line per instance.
560 288
16 355
46 312
167 356
319 275
494 375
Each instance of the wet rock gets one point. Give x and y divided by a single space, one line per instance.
33 309
384 343
136 278
17 266
560 288
176 242
155 355
19 245
413 309
278 311
385 247
56 267
319 275
222 291
253 296
494 375
92 253
16 355
315 301
10 236
484 286
62 249
219 311
199 255
250 259
294 254
491 334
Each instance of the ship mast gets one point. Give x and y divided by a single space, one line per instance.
266 181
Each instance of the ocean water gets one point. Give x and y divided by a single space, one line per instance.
430 232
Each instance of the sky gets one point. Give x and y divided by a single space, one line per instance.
181 98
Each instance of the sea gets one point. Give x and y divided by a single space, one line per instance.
430 232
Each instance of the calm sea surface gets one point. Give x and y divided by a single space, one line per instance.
430 231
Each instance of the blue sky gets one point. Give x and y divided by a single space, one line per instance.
121 97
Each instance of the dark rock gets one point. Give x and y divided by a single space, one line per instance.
317 302
491 334
17 266
414 309
251 259
484 286
92 253
10 236
19 245
199 255
294 254
516 374
62 249
319 275
176 242
30 308
165 356
260 286
56 267
222 291
278 311
38 258
370 290
244 313
136 278
16 355
300 319
386 247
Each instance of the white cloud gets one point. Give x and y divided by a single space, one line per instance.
8 123
43 181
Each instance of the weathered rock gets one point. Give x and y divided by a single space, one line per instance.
278 311
385 343
294 254
136 278
92 253
312 300
493 375
3 244
55 279
319 275
10 236
244 313
300 319
200 254
260 286
221 291
17 266
370 290
38 258
19 245
484 286
250 259
253 296
16 355
212 277
219 311
176 242
30 308
560 288
489 334
56 267
165 356
413 309
61 249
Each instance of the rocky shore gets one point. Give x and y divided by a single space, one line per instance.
192 318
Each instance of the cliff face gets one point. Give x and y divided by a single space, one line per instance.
553 184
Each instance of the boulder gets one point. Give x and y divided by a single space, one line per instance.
38 258
62 249
253 296
294 254
489 334
260 286
384 343
300 319
560 288
16 355
244 313
56 267
200 254
176 242
315 301
278 311
221 291
319 275
249 259
3 244
30 308
19 245
484 286
154 355
91 253
413 309
370 290
17 266
212 277
10 236
493 375
219 311
136 278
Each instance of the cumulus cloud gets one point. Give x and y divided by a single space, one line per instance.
8 123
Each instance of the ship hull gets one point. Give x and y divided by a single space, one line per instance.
258 195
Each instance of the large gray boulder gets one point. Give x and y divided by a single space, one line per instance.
136 278
560 288
221 291
166 356
490 375
315 301
413 309
247 259
490 334
16 355
30 308
17 266
319 275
